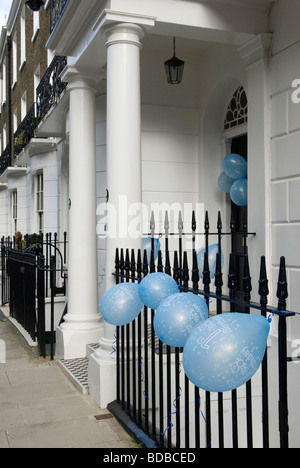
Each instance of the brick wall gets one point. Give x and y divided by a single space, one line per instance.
36 55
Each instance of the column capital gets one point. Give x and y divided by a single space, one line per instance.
78 78
123 33
256 50
122 27
112 17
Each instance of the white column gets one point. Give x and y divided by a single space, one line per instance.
82 324
123 179
123 148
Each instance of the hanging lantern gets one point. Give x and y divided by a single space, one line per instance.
34 5
174 68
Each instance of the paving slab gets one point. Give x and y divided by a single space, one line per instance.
41 408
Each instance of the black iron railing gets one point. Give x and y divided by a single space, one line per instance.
152 388
5 160
50 88
33 269
25 131
6 244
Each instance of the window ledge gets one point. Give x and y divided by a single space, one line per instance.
22 65
35 34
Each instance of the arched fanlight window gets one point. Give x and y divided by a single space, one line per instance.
237 111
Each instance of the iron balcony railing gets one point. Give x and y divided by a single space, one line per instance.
48 93
25 131
5 160
50 88
57 8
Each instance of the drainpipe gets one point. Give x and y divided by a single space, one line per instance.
10 135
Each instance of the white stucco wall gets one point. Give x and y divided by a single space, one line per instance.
285 188
25 185
285 143
4 213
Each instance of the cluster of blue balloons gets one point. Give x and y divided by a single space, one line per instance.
177 314
220 353
233 179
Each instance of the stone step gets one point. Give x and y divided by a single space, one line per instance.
77 372
77 369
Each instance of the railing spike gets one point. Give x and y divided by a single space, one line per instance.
176 270
195 271
247 285
159 262
167 224
152 224
282 286
219 224
180 224
185 270
194 224
206 272
206 223
263 290
218 273
167 264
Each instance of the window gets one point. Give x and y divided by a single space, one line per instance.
40 200
36 24
36 79
23 106
237 111
1 92
4 136
23 38
14 59
15 211
15 120
50 56
4 82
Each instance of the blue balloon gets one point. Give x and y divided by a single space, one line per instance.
225 352
147 245
235 166
121 304
212 258
177 316
239 192
225 183
156 287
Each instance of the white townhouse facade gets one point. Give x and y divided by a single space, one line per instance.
126 137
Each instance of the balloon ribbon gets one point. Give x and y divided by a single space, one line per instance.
172 414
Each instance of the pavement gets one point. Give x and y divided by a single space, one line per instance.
40 407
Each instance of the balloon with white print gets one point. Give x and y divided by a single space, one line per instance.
121 304
225 351
156 287
177 316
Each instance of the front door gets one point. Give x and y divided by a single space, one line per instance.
239 216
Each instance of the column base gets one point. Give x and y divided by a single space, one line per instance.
102 380
71 344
